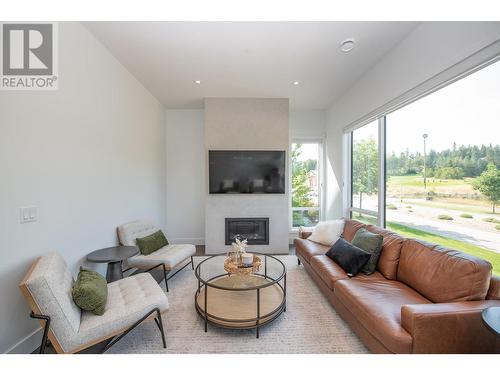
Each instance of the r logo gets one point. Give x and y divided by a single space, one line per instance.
27 49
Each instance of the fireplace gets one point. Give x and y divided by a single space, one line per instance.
254 229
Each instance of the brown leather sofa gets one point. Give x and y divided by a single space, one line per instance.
423 298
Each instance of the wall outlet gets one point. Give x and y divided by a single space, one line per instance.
28 214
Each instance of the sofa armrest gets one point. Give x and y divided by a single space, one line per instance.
494 289
454 327
304 234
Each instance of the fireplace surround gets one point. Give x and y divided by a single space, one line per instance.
254 229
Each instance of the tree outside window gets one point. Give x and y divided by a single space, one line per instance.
305 186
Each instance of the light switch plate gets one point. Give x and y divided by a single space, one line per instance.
28 214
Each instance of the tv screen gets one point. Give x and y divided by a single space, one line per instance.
246 172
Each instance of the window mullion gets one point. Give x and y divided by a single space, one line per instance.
381 171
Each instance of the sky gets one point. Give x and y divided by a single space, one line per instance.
309 151
466 112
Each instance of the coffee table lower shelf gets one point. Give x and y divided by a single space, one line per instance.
240 309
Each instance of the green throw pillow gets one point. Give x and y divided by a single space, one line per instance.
151 243
371 243
90 291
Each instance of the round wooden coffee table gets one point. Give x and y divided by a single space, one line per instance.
240 301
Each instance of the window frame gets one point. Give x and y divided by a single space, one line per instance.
381 143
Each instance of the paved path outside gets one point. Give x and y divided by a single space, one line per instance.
473 231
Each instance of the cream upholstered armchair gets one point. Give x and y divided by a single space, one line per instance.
168 257
131 301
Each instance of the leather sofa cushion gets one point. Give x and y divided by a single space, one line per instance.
327 270
350 228
308 249
330 272
376 303
441 274
391 251
494 289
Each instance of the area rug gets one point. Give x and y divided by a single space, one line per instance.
309 325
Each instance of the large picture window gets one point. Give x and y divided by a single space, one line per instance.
442 168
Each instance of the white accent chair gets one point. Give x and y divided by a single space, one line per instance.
131 301
168 257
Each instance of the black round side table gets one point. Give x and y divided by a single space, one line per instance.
491 319
114 256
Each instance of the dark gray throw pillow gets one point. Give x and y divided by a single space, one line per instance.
371 243
348 256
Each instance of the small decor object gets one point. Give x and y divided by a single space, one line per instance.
239 268
247 259
239 261
349 257
90 291
151 243
239 246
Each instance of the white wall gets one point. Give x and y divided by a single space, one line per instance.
426 52
247 124
185 176
308 124
90 156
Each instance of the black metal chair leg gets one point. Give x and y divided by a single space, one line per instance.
166 272
115 339
159 323
166 278
43 344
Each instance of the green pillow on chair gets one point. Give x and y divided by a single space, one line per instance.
151 243
90 291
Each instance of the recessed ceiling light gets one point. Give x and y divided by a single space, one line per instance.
295 83
197 81
347 45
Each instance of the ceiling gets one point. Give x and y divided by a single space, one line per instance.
248 59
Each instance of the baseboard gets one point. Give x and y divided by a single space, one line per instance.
192 241
28 344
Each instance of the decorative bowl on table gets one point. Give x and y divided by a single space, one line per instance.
234 265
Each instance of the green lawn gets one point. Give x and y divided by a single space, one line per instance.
480 252
454 206
418 181
452 194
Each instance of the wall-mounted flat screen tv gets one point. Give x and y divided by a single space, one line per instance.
246 172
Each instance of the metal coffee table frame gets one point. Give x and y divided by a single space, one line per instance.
259 320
